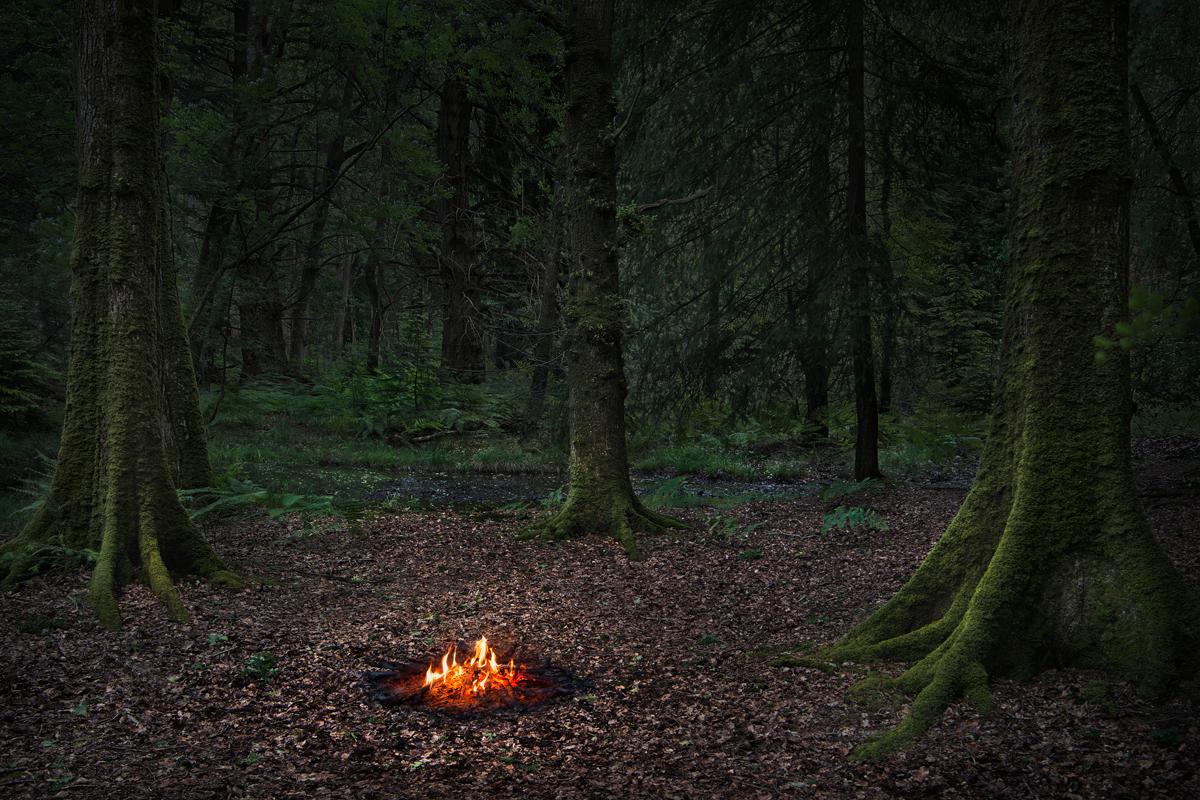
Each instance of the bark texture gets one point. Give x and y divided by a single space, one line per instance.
132 428
600 497
1050 561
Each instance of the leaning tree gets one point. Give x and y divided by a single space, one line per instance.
600 496
132 431
1050 560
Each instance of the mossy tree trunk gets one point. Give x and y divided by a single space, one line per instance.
866 407
132 429
1050 561
600 497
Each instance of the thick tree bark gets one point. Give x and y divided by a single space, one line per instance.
866 409
130 414
1050 561
462 331
335 156
600 496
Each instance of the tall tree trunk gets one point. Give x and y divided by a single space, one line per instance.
866 409
113 489
887 275
547 323
341 317
372 276
180 419
335 156
260 307
209 271
713 344
600 497
462 333
815 359
1050 561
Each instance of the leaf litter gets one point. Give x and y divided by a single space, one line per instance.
260 695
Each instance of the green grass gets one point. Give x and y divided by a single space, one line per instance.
351 434
732 463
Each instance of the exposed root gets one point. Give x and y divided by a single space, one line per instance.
162 550
622 517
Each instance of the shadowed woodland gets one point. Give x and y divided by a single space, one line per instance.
580 398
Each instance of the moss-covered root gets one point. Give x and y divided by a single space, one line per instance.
166 543
621 517
955 676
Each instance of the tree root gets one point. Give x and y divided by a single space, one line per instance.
621 517
161 551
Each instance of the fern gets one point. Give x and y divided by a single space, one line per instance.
728 530
853 518
671 493
236 494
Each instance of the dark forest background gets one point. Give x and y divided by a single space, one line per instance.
366 208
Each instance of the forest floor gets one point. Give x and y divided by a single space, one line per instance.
682 701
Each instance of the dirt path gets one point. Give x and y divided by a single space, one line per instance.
683 702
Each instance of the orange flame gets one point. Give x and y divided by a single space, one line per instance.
474 675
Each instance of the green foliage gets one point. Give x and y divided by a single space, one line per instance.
35 486
671 493
263 666
729 531
1152 315
555 498
928 441
25 560
234 495
23 386
852 518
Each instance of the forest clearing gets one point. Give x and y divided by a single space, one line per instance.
596 399
687 697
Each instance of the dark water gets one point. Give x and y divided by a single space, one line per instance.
443 489
456 489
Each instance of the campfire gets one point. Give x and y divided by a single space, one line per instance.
467 679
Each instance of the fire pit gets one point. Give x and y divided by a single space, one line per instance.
466 680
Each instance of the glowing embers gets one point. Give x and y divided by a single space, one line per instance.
466 680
